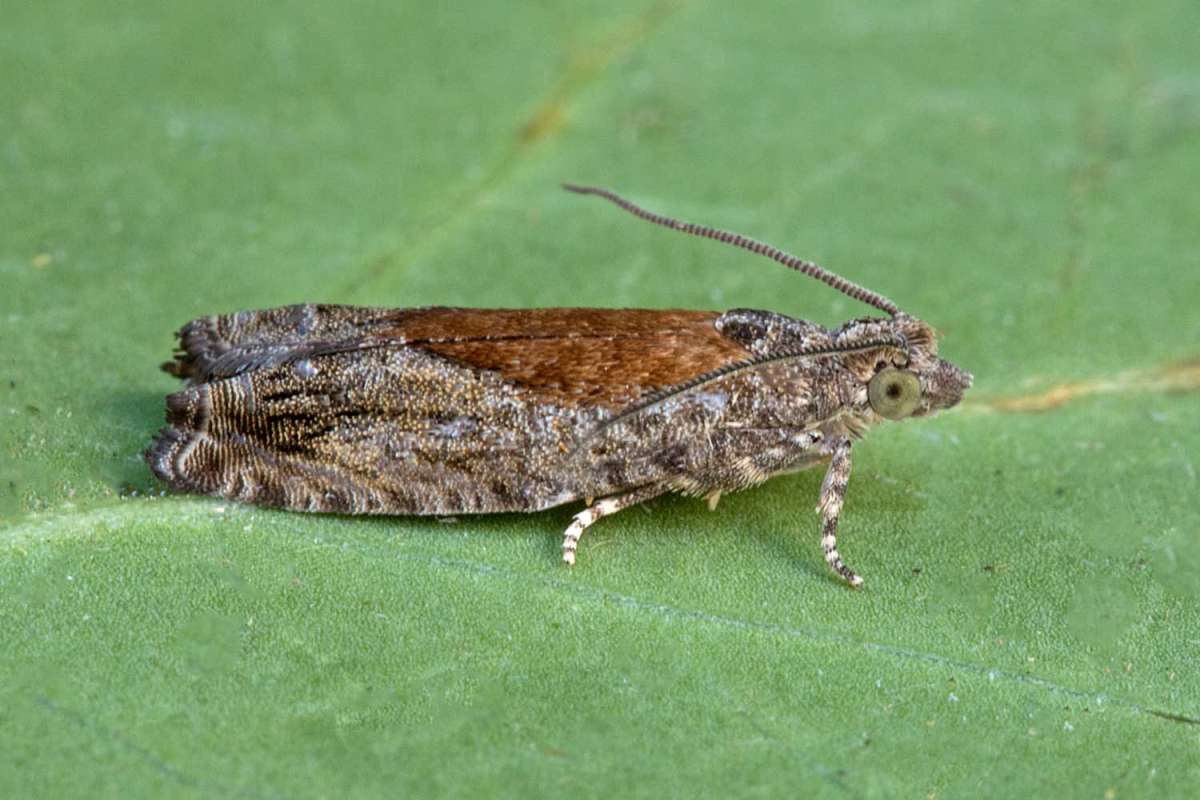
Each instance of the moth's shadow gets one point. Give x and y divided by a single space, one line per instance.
792 531
684 521
136 416
792 535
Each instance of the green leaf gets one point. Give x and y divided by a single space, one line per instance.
1022 176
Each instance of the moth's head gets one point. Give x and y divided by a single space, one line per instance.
908 381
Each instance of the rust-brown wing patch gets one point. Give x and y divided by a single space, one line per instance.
585 356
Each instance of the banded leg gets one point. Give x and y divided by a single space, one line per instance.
833 493
609 505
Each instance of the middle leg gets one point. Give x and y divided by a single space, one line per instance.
609 505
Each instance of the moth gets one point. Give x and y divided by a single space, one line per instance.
442 411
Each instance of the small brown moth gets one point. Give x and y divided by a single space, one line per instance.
461 411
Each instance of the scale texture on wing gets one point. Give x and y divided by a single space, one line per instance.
413 411
584 355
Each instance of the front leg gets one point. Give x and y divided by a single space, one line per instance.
833 493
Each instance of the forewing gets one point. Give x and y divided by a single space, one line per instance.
420 411
581 356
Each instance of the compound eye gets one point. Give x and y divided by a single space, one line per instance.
894 393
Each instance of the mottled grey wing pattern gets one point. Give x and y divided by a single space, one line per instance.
223 345
386 430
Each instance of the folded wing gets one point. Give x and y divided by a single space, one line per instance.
412 411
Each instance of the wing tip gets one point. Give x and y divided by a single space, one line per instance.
200 345
164 453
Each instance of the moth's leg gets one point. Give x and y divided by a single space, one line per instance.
602 508
833 493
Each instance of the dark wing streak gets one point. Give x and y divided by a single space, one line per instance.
700 381
236 361
537 337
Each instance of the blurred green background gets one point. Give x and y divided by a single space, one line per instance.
1021 175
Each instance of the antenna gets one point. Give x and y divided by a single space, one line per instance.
737 240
